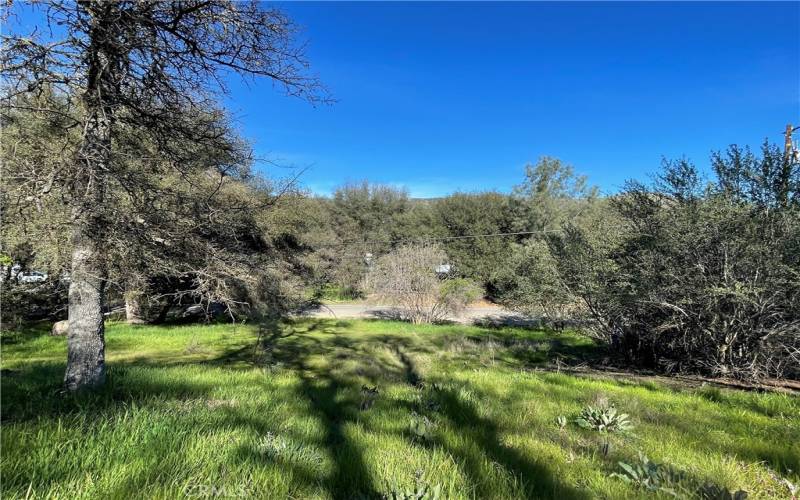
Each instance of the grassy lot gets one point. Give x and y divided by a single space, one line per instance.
221 410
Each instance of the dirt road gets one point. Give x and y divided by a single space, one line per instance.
477 314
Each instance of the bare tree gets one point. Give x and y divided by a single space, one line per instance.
407 278
153 67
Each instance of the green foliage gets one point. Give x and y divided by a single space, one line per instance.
457 293
689 276
337 293
371 219
341 233
465 214
604 419
551 195
362 219
531 284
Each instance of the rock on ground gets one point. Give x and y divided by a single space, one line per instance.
60 328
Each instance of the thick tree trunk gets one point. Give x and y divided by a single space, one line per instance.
86 366
134 309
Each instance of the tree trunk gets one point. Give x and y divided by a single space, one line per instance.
162 314
134 310
86 366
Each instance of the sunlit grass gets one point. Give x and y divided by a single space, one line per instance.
207 410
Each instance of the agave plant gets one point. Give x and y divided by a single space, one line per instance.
604 419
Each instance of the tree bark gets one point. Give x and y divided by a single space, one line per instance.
134 310
86 366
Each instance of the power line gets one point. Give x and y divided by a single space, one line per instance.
447 238
471 236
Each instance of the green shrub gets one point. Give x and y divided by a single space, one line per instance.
685 275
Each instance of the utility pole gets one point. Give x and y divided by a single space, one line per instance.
790 157
788 146
787 142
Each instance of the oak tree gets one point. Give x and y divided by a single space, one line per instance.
151 68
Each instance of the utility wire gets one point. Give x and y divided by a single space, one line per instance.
446 238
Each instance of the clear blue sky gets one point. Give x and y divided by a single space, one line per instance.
444 97
441 97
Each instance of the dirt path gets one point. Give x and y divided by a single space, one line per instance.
483 313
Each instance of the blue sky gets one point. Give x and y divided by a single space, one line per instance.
445 97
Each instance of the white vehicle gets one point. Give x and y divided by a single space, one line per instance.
31 277
23 276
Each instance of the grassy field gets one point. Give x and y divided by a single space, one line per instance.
279 412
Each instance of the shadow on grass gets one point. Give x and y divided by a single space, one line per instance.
350 477
535 480
329 392
330 400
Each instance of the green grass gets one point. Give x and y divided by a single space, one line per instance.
192 411
333 294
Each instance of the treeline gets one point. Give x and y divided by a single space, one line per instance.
684 274
479 231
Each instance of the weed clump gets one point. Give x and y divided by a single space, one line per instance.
282 449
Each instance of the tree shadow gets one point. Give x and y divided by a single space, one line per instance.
536 480
412 376
329 375
331 400
351 477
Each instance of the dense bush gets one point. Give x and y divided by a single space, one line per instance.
691 275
